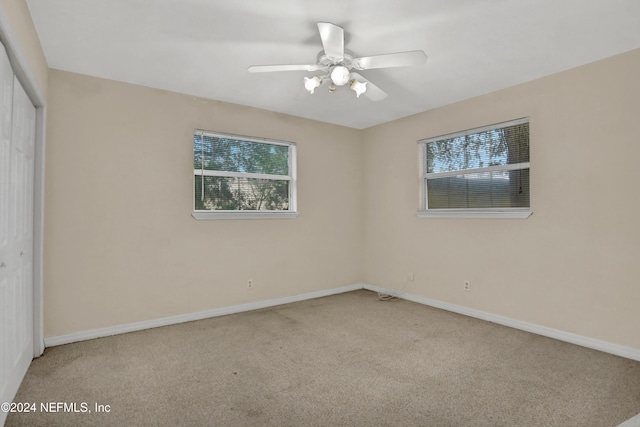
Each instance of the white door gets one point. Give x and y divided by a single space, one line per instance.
17 143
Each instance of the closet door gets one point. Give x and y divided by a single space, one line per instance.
17 144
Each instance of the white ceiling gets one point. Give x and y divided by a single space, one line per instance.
203 47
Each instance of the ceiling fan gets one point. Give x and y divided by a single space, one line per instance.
337 64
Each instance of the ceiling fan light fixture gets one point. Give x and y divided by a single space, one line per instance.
336 63
340 75
358 87
312 83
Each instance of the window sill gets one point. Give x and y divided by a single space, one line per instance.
202 215
515 213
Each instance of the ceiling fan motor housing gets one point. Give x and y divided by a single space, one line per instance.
338 68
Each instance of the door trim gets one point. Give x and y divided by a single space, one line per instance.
24 74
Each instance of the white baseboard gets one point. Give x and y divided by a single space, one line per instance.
618 350
607 347
154 323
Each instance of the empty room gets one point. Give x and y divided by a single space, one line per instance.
288 213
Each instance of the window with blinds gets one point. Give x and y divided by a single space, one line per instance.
237 174
479 172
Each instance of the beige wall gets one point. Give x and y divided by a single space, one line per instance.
573 265
121 245
20 18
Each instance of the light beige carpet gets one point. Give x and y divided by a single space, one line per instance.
347 359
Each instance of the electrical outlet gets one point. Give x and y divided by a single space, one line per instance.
467 285
410 277
250 284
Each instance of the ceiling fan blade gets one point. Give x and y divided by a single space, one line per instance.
400 59
373 92
271 68
332 40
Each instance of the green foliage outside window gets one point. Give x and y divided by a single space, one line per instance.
234 158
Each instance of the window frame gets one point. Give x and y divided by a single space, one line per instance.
291 212
507 213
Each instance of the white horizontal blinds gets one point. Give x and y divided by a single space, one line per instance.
224 193
238 174
485 168
504 189
234 155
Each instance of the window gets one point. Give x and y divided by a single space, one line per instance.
242 177
481 173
